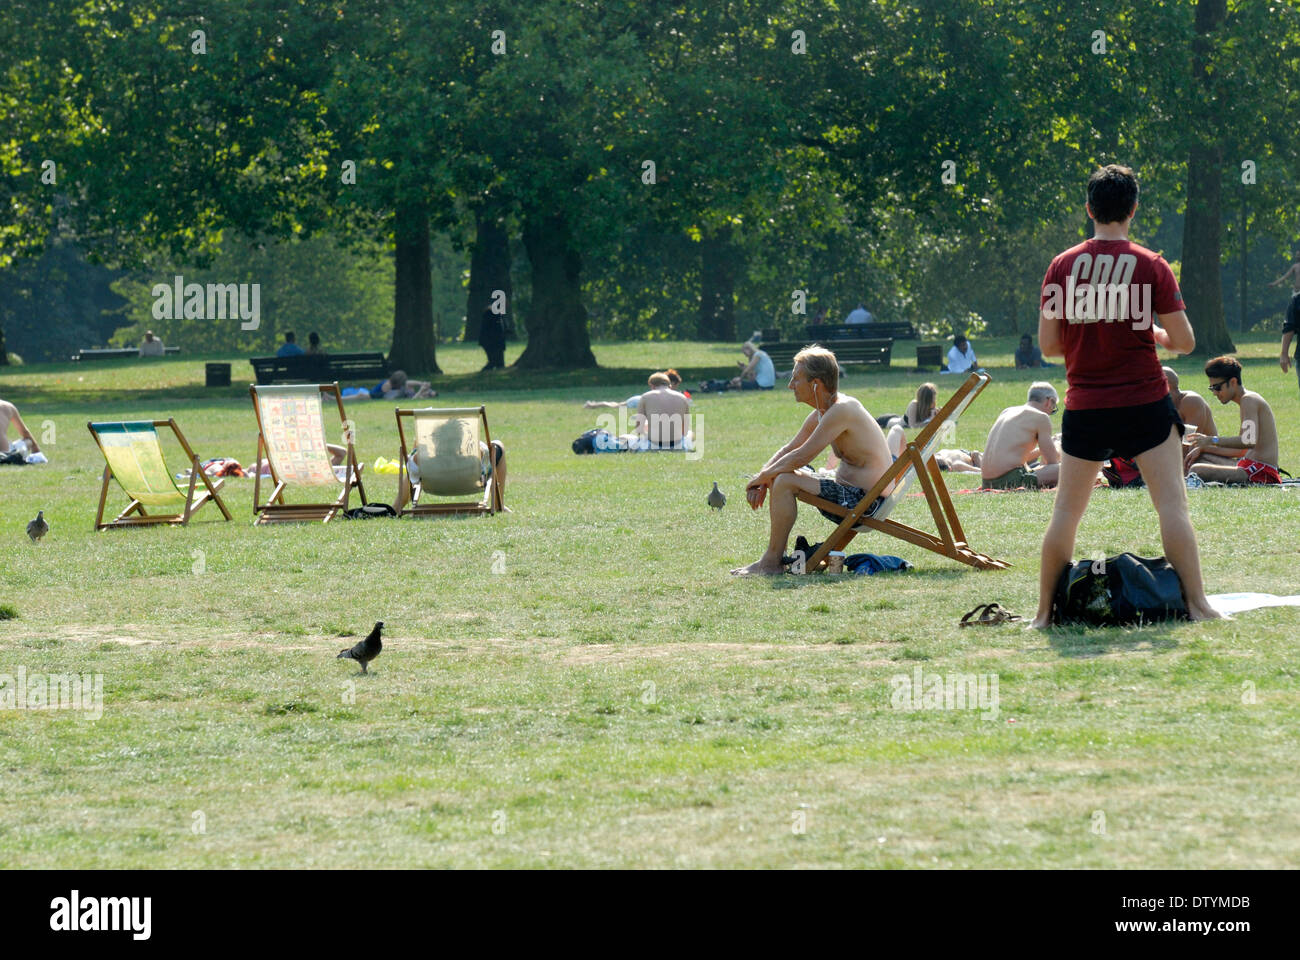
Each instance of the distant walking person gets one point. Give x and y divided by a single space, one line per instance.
1118 401
492 338
1292 325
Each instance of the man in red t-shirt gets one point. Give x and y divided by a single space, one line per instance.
1100 303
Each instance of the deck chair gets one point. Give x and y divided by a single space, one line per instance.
451 461
917 460
291 432
134 458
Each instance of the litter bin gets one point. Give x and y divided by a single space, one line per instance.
217 374
929 355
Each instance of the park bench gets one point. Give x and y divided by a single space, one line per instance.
820 332
109 353
320 368
866 352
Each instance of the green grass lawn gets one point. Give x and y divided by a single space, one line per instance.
611 696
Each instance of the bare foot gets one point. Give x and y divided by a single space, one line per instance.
1203 611
759 568
1039 623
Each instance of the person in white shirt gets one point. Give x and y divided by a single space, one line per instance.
858 315
961 357
151 346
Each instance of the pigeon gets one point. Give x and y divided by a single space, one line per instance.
717 499
366 650
39 527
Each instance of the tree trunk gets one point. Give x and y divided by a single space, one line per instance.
557 320
1202 282
717 287
489 270
4 356
414 344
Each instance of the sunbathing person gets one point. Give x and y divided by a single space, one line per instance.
920 411
337 456
494 466
674 381
757 372
8 415
396 387
1019 435
662 417
1257 442
1196 413
959 461
837 421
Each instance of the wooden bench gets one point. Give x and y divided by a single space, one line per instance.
847 352
110 353
858 331
320 368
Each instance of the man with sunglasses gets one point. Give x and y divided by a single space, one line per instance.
1021 434
1100 304
1256 445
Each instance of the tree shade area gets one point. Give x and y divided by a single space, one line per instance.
388 170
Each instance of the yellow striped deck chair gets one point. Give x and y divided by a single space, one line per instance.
454 459
291 433
917 460
134 458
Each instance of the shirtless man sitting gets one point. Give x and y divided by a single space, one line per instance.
1019 435
1257 442
837 421
662 415
8 415
1196 413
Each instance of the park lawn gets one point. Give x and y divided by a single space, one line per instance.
611 696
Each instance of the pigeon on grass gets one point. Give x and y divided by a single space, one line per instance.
39 527
717 499
365 650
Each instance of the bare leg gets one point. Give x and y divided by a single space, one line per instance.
1162 471
1072 495
1212 471
896 438
499 470
783 508
337 454
1048 475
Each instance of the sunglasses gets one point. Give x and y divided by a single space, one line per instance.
1216 387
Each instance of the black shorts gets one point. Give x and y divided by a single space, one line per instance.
846 495
1118 431
1292 324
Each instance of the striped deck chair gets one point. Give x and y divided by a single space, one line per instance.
917 460
134 458
450 451
291 432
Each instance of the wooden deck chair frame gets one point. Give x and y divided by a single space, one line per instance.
492 498
135 515
917 458
275 510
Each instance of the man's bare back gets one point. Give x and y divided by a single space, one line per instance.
9 414
1018 435
664 414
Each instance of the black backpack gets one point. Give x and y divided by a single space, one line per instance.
1118 591
593 442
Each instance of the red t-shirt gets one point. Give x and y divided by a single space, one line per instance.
1106 294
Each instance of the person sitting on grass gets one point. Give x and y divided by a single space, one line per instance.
757 372
1028 356
674 381
1257 442
920 411
961 356
662 417
9 415
837 421
1021 434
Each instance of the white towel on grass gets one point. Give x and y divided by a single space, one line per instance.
1230 603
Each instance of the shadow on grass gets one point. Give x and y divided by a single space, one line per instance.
826 580
1086 642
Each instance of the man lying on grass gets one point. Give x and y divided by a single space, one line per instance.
1257 442
837 421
